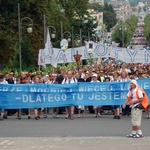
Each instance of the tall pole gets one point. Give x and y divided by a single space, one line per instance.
122 29
44 25
122 35
72 38
29 29
80 37
19 27
61 30
80 42
88 36
44 30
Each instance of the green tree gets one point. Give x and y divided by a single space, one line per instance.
129 27
109 15
27 54
9 28
109 19
78 17
108 8
147 28
75 14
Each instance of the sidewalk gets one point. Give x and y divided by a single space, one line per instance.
75 143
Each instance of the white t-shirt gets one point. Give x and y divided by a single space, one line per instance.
4 82
132 94
95 81
123 80
68 81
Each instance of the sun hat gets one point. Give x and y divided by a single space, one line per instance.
134 82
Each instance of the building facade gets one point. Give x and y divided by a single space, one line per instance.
100 2
98 16
122 9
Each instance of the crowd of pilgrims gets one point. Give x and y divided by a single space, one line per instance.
104 72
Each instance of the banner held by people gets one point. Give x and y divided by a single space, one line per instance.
58 95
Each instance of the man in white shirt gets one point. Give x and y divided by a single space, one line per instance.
70 79
138 101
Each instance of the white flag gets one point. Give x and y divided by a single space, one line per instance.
41 60
48 46
48 51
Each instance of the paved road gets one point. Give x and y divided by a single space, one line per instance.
79 127
81 133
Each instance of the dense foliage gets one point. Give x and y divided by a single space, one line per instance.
109 15
71 14
129 27
147 27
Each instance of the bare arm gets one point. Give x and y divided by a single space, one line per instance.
125 103
137 101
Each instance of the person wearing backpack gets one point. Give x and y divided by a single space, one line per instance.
138 100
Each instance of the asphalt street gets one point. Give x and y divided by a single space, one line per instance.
65 134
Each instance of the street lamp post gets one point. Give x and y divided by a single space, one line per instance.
85 39
76 36
123 28
69 37
77 39
29 30
80 37
52 33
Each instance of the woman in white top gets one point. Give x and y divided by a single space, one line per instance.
2 109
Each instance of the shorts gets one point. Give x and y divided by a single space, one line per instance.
116 106
136 116
81 107
95 107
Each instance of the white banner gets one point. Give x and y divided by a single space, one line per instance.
96 50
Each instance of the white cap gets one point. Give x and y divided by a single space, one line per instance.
94 75
134 82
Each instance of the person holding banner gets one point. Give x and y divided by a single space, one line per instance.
96 108
80 107
69 80
37 111
59 79
2 109
138 100
116 107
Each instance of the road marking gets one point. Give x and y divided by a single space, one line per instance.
10 143
69 138
2 143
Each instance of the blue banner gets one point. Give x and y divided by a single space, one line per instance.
57 95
